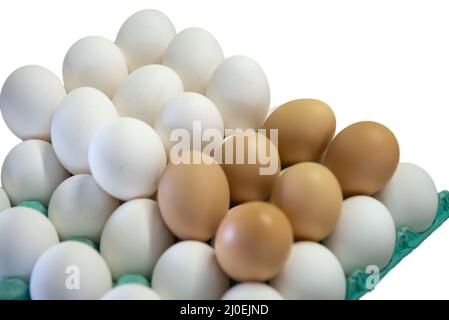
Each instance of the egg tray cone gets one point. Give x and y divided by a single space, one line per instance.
406 241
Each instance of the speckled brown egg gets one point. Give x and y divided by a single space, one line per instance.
253 177
309 194
253 241
363 157
305 128
193 198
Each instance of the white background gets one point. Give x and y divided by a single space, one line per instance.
386 61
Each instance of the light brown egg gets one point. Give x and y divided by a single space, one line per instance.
253 241
305 128
309 194
363 157
193 198
253 177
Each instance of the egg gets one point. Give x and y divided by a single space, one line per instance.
363 157
77 117
309 194
28 99
70 270
193 115
193 198
32 171
134 238
252 291
304 127
253 241
145 91
240 90
188 270
251 164
24 235
194 54
4 200
143 38
131 292
79 207
411 197
311 272
364 235
126 158
94 62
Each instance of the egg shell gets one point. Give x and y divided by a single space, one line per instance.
309 194
363 157
253 241
4 200
252 291
411 197
184 112
194 54
240 90
32 171
28 99
145 91
70 270
251 164
304 127
188 270
193 198
127 158
79 207
131 292
312 272
364 235
143 38
24 235
94 62
78 116
134 238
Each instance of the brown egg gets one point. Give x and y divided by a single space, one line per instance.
253 241
363 157
193 198
253 177
309 194
305 128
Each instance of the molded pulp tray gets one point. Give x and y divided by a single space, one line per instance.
406 241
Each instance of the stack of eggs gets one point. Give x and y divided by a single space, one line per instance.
99 152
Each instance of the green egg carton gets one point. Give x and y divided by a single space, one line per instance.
406 241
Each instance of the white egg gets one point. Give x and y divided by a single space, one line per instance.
311 272
240 90
252 291
189 111
80 113
364 235
144 37
194 54
127 158
134 238
80 208
411 197
70 270
4 200
189 270
32 171
24 235
28 99
94 62
145 91
131 291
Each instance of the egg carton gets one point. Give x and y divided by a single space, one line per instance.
358 283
